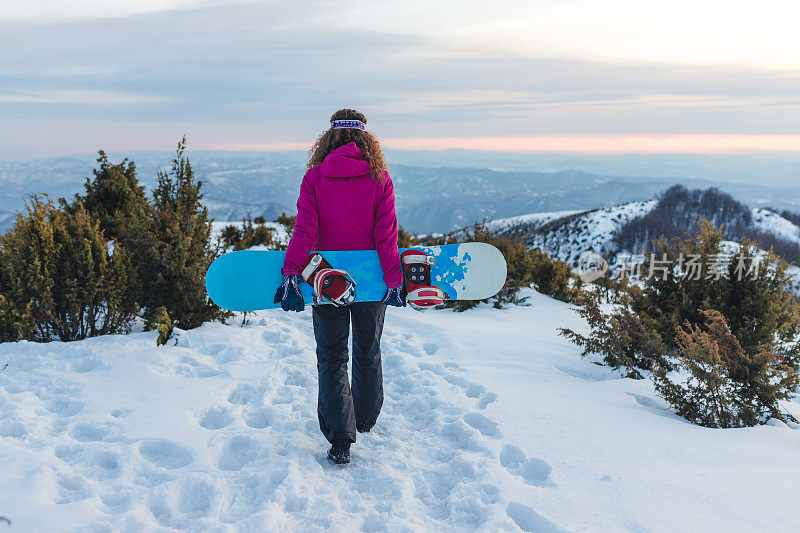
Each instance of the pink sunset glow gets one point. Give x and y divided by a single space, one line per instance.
689 143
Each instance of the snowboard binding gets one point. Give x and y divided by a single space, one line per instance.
420 294
331 285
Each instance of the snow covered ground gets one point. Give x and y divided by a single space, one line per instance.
491 421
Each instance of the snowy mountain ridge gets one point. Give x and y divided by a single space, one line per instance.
565 234
435 192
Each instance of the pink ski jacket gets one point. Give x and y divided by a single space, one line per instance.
341 207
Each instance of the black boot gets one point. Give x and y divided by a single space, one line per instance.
339 453
363 428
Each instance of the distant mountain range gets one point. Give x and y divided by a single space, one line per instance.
436 191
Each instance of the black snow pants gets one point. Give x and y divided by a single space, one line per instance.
340 405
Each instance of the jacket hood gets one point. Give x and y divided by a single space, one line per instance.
344 162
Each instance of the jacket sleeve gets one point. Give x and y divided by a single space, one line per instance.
386 235
305 230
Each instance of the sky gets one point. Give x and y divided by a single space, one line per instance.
568 76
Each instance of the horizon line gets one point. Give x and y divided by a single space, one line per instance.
678 144
574 144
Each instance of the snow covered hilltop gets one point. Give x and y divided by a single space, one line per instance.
629 227
491 422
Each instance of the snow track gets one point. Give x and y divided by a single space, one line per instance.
490 422
220 433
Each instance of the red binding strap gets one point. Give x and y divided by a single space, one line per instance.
334 285
425 297
331 285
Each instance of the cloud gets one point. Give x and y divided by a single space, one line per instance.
272 72
81 97
54 10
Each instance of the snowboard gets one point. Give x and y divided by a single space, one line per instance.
246 280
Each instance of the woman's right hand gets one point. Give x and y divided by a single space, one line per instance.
289 295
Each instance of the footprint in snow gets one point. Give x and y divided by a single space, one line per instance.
222 352
165 454
150 476
295 503
249 493
116 502
88 432
485 399
299 378
462 436
262 418
247 393
72 489
215 417
99 463
529 520
161 510
237 452
472 390
191 367
271 337
195 497
533 471
487 427
14 430
436 487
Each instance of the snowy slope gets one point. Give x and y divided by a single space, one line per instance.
567 237
531 219
565 234
490 421
771 222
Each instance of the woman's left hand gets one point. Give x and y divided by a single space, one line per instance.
395 296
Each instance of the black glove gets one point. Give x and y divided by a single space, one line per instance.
395 296
289 294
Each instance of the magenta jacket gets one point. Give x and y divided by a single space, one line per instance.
342 207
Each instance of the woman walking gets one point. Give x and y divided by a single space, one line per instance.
346 203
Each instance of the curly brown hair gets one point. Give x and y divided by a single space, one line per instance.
331 139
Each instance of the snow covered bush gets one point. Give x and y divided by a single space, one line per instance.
59 278
173 248
719 384
553 277
405 239
751 288
115 198
253 232
287 221
167 236
620 337
158 320
741 366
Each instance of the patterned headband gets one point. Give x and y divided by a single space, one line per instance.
354 124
